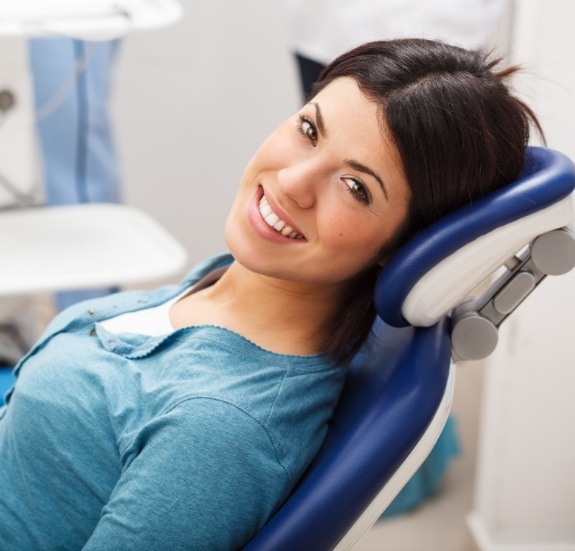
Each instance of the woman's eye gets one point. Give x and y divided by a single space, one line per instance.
306 127
357 189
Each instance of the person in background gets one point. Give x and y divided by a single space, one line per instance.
72 86
320 30
71 82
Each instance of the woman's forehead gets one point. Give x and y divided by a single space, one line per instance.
342 106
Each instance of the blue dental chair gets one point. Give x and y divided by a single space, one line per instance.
434 311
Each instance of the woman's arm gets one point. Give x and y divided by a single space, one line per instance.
203 476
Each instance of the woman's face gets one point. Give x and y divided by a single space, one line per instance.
323 193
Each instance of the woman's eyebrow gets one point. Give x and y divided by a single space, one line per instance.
319 119
366 170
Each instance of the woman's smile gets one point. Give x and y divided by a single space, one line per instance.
271 222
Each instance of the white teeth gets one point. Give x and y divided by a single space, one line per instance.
273 220
265 209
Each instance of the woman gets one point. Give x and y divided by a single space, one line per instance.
181 418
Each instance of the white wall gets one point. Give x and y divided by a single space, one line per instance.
542 44
192 104
525 492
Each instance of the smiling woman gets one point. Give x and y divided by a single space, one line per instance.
182 417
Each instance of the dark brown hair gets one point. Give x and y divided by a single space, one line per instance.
460 133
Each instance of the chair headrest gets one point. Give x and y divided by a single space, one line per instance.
439 266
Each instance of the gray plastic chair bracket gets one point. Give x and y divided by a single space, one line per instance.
475 323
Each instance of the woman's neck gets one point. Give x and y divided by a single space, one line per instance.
281 316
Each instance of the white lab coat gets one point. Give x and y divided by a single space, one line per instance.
322 29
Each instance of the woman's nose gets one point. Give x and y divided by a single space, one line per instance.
299 183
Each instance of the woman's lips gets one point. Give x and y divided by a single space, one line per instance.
275 221
271 222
